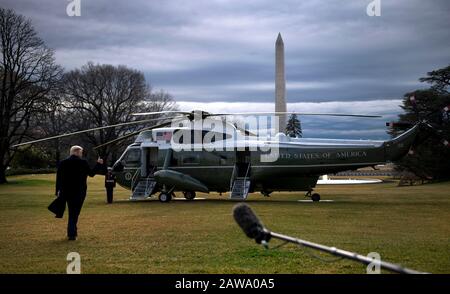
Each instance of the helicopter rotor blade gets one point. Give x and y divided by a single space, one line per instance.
298 113
119 139
161 112
207 114
133 134
432 128
247 132
395 124
87 130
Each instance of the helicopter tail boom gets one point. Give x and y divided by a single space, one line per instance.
399 146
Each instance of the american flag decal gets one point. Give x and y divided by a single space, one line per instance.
164 136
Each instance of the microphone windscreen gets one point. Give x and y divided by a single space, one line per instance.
248 221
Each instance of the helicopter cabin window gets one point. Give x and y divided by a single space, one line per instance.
133 157
191 159
223 157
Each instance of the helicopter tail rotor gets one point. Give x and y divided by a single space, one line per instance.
427 128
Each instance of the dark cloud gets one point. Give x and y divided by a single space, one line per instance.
221 44
216 50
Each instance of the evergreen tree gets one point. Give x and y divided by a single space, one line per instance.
294 127
431 158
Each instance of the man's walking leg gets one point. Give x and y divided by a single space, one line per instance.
73 218
79 205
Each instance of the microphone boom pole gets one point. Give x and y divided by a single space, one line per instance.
345 254
254 229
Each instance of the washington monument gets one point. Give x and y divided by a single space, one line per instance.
280 83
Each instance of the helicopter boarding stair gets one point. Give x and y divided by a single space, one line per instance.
240 185
144 187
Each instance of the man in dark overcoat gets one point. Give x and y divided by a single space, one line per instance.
71 184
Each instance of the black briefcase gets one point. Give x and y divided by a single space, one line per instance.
58 206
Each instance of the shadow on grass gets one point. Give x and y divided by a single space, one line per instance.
285 202
224 201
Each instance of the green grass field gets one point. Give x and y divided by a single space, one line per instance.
406 225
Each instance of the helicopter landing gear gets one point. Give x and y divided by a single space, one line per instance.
189 195
314 197
165 197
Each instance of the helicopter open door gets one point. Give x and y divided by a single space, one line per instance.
151 160
145 184
240 180
242 162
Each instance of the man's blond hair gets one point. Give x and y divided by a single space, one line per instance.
75 149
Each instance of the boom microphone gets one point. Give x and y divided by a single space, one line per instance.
250 223
254 229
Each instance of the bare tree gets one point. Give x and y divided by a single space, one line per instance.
27 73
51 121
100 95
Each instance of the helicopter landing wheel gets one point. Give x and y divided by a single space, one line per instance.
189 195
315 197
165 197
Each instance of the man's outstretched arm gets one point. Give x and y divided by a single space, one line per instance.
99 168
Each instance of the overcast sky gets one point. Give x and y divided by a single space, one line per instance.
219 55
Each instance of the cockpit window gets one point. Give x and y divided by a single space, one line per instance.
133 157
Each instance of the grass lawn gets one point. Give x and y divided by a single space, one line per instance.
406 225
